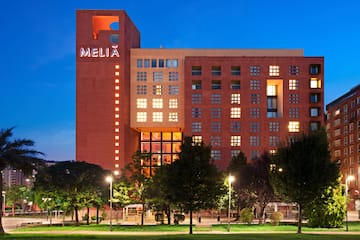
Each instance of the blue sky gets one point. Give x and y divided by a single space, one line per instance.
38 49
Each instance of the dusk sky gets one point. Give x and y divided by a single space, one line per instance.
38 49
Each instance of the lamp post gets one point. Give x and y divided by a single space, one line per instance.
4 203
109 179
347 180
230 179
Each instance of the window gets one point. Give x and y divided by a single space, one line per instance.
294 126
274 70
157 116
215 112
254 84
337 132
196 98
196 112
197 139
255 70
254 112
161 63
141 116
215 127
139 63
235 70
274 126
234 126
294 70
315 83
215 98
141 89
215 155
314 97
196 84
157 76
215 70
293 84
173 117
235 84
157 103
196 70
254 98
215 141
173 90
234 152
157 90
254 127
314 112
254 141
173 103
293 98
235 112
153 63
235 98
171 63
146 63
293 112
141 76
254 154
315 69
196 127
173 76
274 141
141 103
215 84
235 141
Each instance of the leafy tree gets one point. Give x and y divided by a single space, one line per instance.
303 170
193 182
18 154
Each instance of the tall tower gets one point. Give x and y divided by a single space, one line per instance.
103 42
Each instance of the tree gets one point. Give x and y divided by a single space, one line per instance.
18 154
303 169
193 182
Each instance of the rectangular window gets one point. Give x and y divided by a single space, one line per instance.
254 154
215 84
196 85
157 103
255 70
235 70
274 70
215 70
157 76
141 89
293 98
234 152
255 98
173 76
235 98
196 112
139 63
254 112
173 90
157 90
315 83
254 84
315 97
173 117
235 84
293 84
215 98
153 63
173 103
215 127
254 141
141 76
171 63
196 70
161 63
157 116
196 127
274 141
235 112
235 141
146 63
314 126
315 69
294 126
215 112
196 98
314 112
141 103
254 127
215 155
293 112
274 126
141 116
294 70
197 139
234 126
215 141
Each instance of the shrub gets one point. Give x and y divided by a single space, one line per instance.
276 217
246 215
178 217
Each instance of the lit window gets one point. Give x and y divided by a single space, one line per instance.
141 103
293 84
117 109
117 80
235 98
173 117
157 90
117 151
271 90
157 116
117 137
235 141
141 116
117 73
117 66
235 112
294 126
116 144
117 102
117 95
274 70
117 87
173 103
157 103
117 158
116 123
117 130
117 115
315 83
197 139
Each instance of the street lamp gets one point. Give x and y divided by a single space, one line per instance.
230 179
347 180
109 179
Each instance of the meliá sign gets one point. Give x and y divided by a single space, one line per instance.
100 52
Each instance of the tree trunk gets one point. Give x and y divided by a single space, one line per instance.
191 220
262 213
142 214
88 216
1 205
299 219
76 215
97 214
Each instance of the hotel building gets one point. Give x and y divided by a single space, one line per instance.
130 98
343 128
